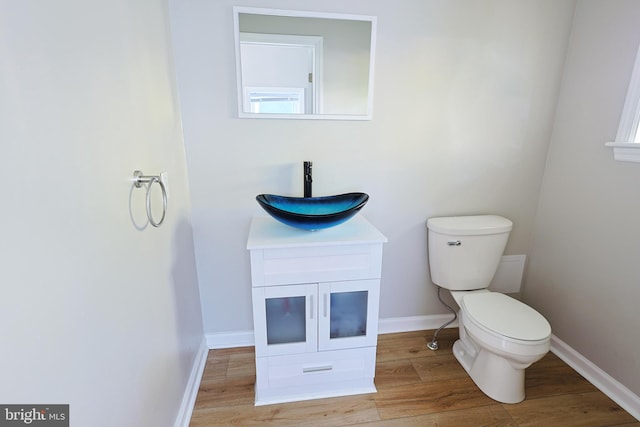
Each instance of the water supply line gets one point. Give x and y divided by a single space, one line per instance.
433 345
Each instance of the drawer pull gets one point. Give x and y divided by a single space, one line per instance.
317 369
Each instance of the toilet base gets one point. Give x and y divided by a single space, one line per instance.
497 377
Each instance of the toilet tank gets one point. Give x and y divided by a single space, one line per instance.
464 251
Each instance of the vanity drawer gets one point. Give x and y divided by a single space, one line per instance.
282 266
316 368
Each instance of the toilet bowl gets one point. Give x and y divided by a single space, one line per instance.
499 336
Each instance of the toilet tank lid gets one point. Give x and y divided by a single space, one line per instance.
470 225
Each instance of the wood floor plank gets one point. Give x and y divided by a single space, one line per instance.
231 391
439 367
554 381
491 415
584 409
216 367
234 350
342 411
242 364
394 373
401 346
431 397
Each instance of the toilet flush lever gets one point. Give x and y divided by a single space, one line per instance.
454 243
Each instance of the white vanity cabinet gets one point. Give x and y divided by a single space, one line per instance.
315 309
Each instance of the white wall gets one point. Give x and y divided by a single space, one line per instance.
584 271
465 94
94 312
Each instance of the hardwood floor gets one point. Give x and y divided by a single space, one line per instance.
416 387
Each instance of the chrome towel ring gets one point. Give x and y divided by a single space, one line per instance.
138 179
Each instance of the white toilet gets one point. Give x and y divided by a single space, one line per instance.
499 335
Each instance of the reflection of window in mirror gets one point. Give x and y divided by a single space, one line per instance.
290 65
270 100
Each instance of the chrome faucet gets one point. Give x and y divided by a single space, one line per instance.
307 178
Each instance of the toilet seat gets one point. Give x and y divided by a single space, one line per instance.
501 315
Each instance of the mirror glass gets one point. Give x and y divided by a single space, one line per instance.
304 65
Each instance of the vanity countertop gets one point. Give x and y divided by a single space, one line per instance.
266 233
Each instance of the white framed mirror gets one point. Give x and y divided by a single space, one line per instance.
304 65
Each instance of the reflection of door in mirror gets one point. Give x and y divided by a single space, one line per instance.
281 73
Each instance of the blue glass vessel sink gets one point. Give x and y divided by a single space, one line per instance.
313 213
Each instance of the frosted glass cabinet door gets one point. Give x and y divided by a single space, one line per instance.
348 314
286 319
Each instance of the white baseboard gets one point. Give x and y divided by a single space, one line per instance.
620 394
392 325
230 339
191 391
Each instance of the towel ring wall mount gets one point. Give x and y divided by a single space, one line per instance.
138 180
